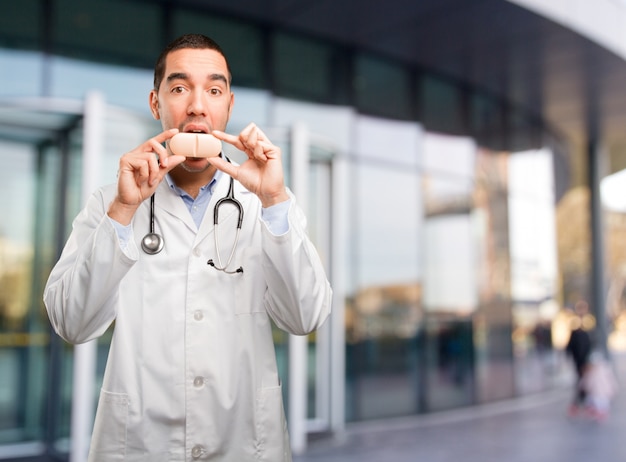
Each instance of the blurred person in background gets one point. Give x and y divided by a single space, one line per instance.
599 386
579 348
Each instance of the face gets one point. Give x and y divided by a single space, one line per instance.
194 96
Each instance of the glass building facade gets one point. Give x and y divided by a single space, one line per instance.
434 206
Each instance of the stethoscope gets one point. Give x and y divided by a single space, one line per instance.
152 243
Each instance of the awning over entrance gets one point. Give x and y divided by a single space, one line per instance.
571 82
35 121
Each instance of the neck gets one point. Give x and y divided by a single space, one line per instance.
191 182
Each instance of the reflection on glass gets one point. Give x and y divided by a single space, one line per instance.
17 422
384 314
450 276
492 320
534 281
449 261
26 250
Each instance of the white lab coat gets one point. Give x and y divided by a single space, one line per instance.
191 373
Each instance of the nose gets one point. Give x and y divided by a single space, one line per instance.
197 103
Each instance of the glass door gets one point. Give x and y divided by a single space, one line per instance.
36 204
41 150
308 367
44 160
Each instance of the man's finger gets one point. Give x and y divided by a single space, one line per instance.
165 135
230 139
224 166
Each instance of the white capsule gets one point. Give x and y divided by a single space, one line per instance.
195 145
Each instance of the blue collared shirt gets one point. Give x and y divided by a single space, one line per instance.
196 206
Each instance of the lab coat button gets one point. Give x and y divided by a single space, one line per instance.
197 252
198 382
197 315
196 451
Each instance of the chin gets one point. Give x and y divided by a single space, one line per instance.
195 165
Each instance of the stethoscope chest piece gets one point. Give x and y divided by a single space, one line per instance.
152 243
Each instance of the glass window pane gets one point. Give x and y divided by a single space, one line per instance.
534 280
452 260
389 219
383 88
26 250
242 44
19 410
441 107
449 262
114 30
448 361
20 24
486 121
302 69
383 317
493 320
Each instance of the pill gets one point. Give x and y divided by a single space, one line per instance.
195 145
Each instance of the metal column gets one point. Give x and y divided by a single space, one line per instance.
85 355
596 170
298 358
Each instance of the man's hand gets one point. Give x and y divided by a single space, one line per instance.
139 175
262 173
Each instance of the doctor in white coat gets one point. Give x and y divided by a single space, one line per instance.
191 373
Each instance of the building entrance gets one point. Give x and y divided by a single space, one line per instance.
40 150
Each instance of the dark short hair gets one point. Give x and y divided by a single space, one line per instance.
197 41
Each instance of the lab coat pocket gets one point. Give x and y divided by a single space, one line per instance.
248 287
109 433
272 437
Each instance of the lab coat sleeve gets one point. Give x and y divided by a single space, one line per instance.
81 291
298 297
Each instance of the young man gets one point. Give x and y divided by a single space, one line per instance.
191 373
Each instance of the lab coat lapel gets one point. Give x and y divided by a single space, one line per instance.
169 202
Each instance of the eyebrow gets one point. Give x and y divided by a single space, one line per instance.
184 76
219 77
177 76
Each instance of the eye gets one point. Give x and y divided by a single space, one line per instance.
178 89
215 91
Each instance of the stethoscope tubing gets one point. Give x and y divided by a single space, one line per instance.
228 199
153 243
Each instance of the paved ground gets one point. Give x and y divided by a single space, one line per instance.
530 429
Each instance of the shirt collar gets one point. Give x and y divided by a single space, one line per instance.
210 185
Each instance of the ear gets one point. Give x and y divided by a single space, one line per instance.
154 105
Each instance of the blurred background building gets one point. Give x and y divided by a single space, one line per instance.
451 156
